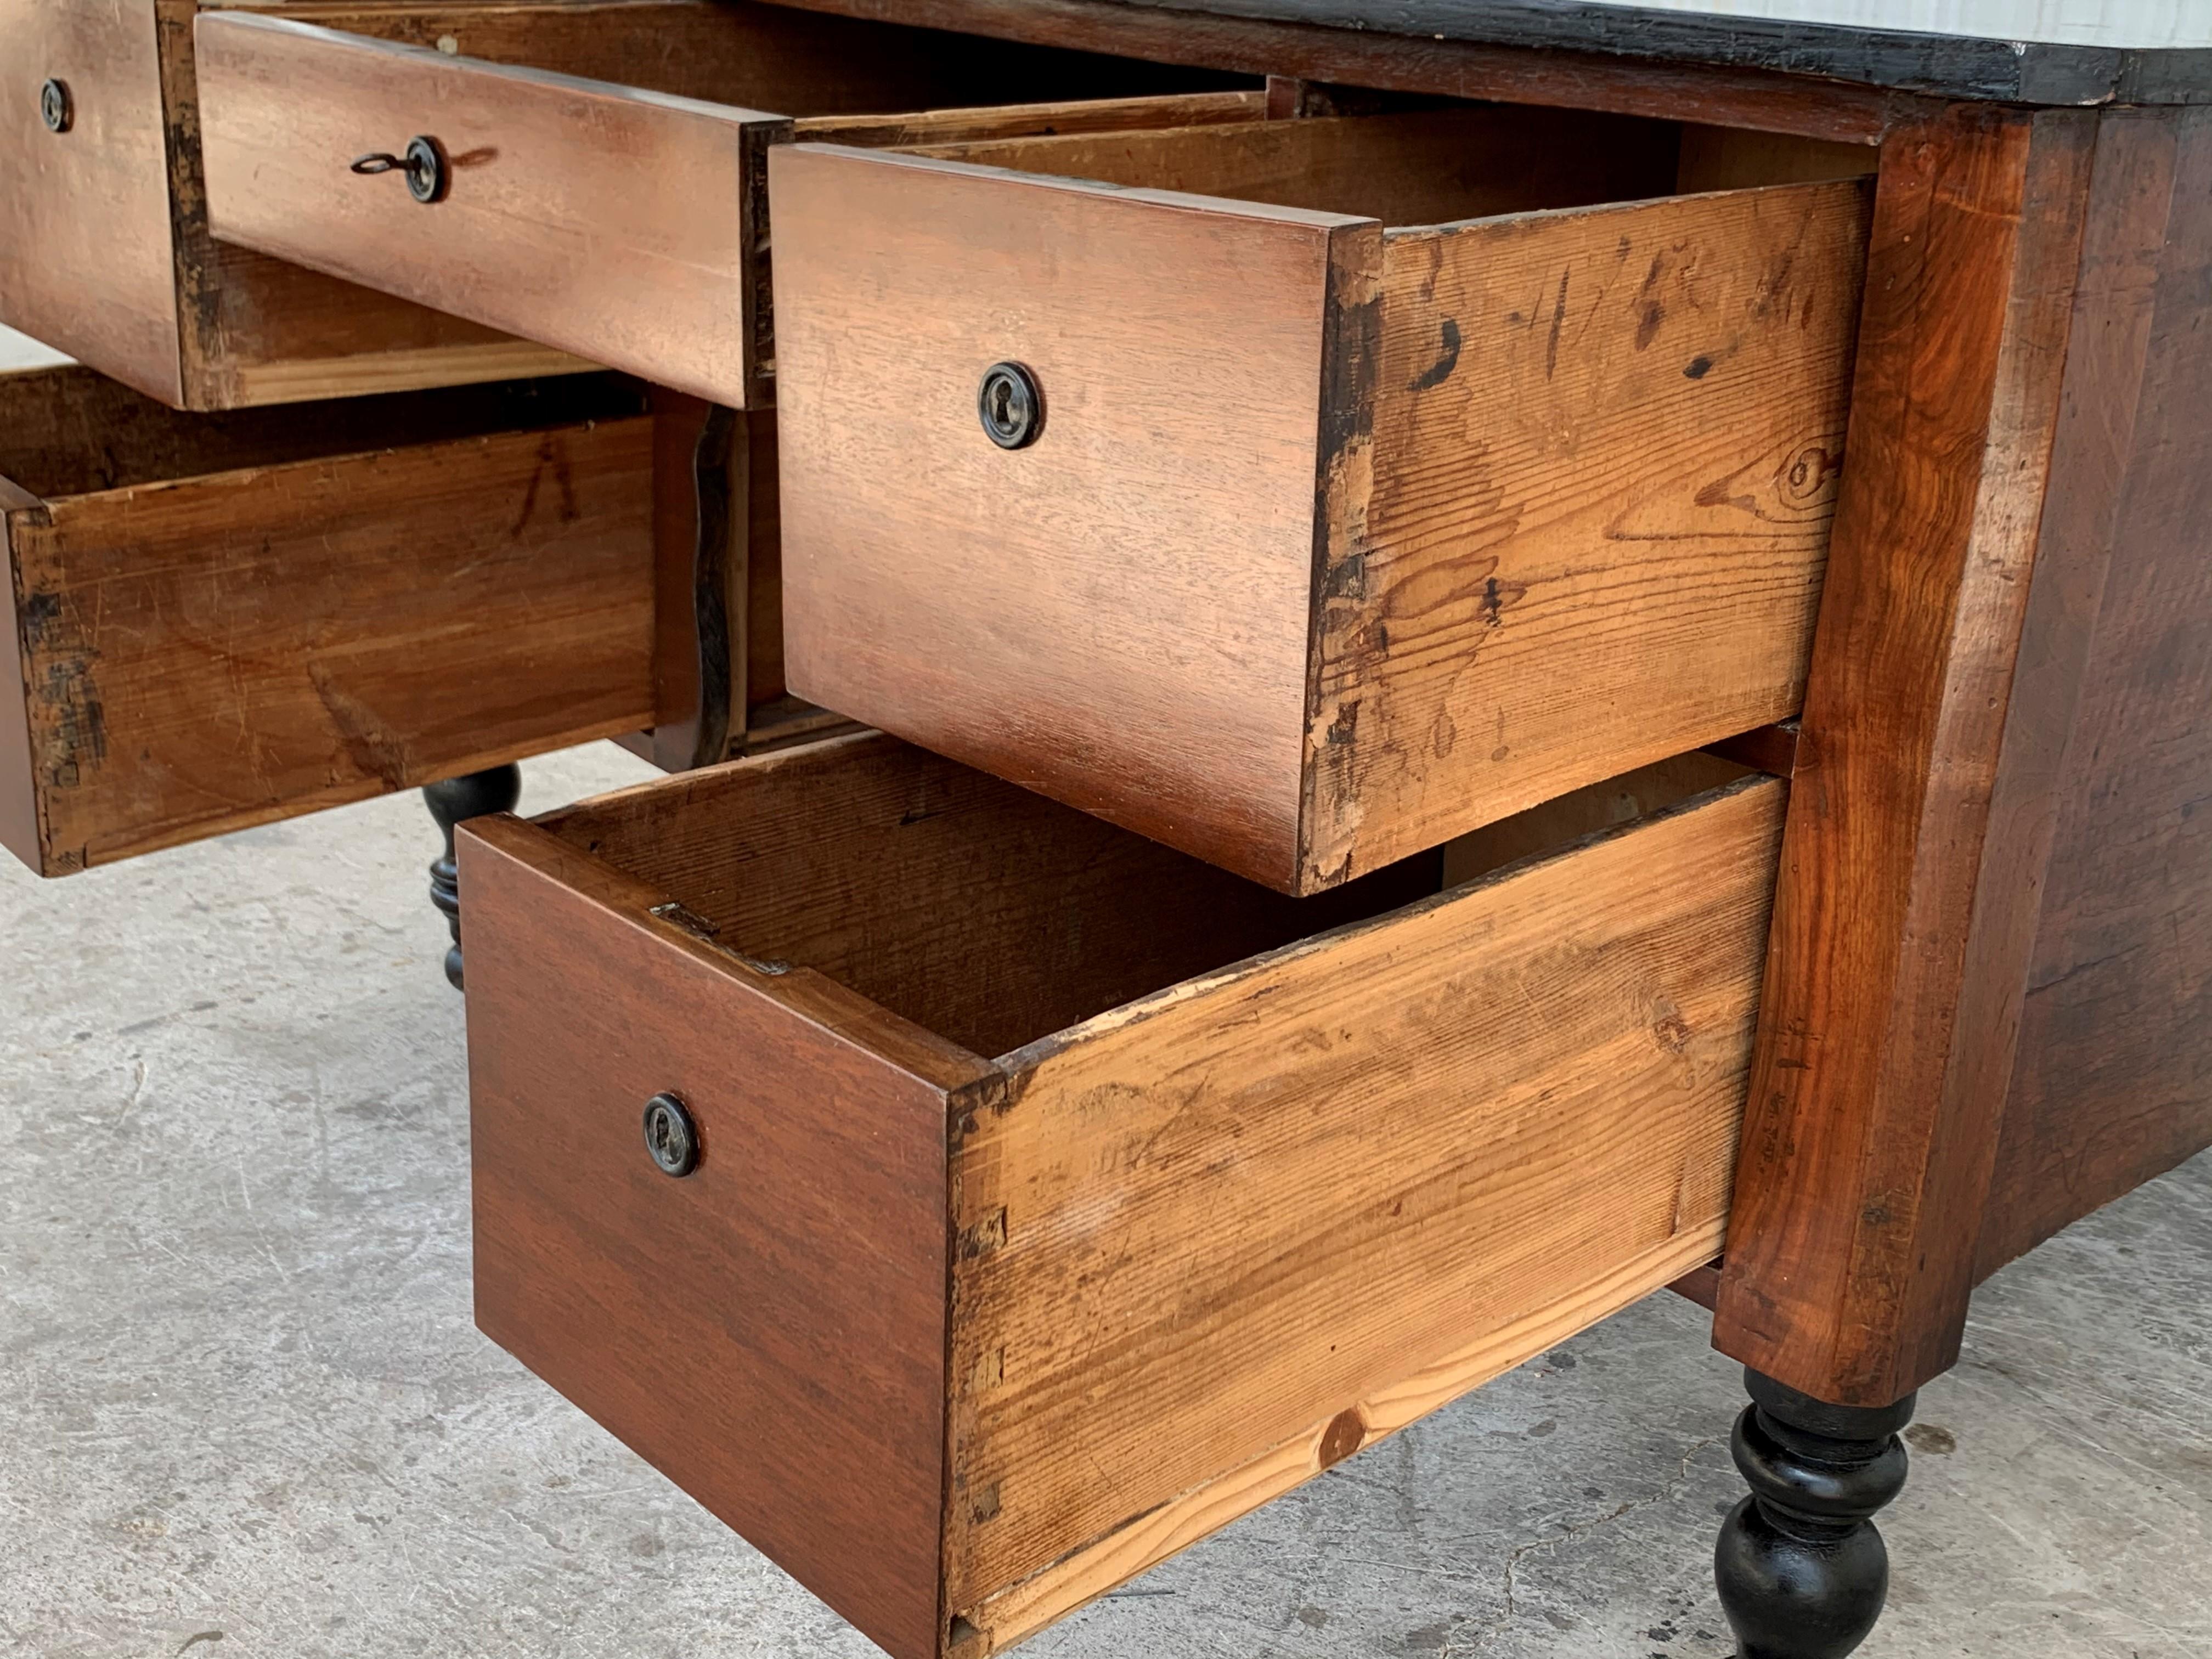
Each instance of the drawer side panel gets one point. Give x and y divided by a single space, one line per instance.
227 650
1606 453
768 1331
1270 1198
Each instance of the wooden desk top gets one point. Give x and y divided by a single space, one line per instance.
2029 52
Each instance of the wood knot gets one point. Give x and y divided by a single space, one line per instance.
1345 1434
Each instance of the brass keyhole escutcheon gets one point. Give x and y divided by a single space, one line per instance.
1012 405
671 1137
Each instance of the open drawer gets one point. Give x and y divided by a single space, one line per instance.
208 622
103 198
588 176
1243 486
1019 1200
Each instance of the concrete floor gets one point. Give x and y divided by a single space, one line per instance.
242 1403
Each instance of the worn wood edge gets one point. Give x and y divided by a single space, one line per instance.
194 386
23 825
1018 1612
1344 491
1218 206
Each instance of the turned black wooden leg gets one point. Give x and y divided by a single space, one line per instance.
452 802
1802 1572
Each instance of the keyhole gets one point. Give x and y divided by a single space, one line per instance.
1010 405
670 1138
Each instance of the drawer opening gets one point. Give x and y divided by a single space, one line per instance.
974 908
994 916
1422 166
1397 473
68 431
211 621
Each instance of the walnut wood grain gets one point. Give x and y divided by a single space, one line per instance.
1898 947
211 652
2113 1079
1561 511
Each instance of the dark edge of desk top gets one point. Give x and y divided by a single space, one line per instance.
1956 66
1953 66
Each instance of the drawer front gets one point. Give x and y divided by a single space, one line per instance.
616 223
1117 614
768 1330
197 654
1188 1249
1333 540
84 212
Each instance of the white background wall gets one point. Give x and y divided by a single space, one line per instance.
2068 22
20 351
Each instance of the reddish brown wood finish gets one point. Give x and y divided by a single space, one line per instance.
97 284
1899 951
2113 1083
791 1290
634 247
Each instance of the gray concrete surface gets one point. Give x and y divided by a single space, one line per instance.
243 1411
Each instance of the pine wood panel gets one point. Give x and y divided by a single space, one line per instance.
1902 922
215 652
788 1298
1334 1167
1013 1614
1605 453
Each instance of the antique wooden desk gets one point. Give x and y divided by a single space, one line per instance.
963 1341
